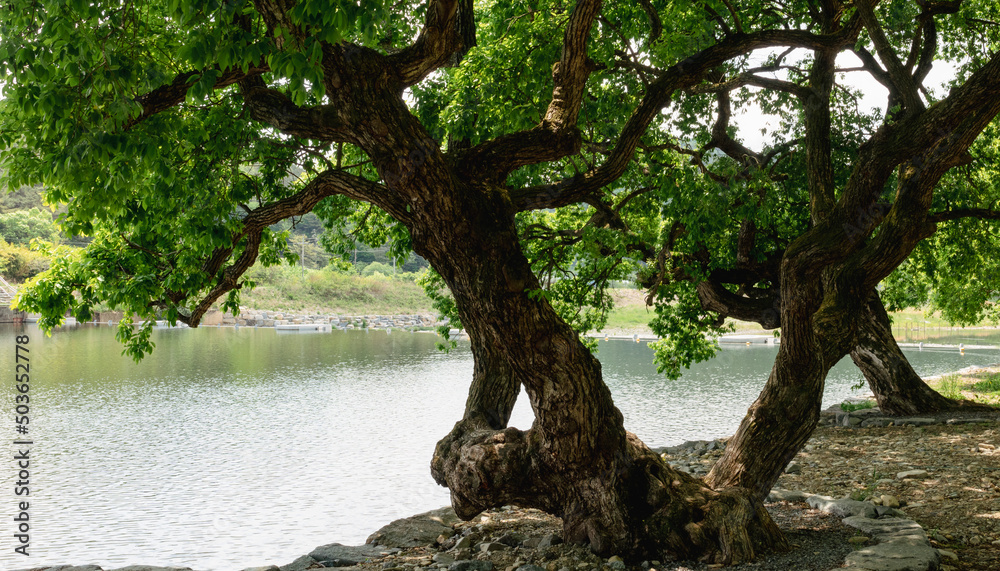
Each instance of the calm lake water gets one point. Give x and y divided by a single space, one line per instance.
228 448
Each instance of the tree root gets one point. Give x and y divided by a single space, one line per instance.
636 506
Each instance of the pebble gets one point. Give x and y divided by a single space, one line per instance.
949 555
916 474
890 501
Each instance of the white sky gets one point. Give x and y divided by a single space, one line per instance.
750 120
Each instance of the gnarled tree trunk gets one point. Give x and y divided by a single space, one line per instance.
577 461
898 389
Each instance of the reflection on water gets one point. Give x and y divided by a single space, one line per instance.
910 332
228 448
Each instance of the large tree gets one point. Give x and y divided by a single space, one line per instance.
170 130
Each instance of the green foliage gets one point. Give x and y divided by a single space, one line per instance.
990 384
19 263
377 268
950 386
22 226
283 288
853 406
681 325
443 302
24 198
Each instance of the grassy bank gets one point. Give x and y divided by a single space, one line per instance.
290 289
980 386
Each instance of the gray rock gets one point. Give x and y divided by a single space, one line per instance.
895 556
543 542
886 511
510 540
915 421
779 495
471 565
920 474
889 529
492 546
967 420
464 543
842 508
879 421
416 531
851 420
549 540
949 555
265 568
530 568
144 568
300 564
890 501
443 559
337 555
794 468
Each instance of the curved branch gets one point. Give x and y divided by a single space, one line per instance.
274 108
435 45
959 213
326 184
682 75
901 79
764 310
173 93
556 136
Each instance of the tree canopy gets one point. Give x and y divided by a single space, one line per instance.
532 152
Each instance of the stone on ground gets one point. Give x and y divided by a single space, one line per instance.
416 531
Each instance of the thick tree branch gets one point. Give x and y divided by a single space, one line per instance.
959 213
655 23
680 76
723 141
174 93
435 45
325 184
901 79
274 108
556 136
940 135
763 310
749 78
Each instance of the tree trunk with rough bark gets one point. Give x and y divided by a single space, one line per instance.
577 461
898 389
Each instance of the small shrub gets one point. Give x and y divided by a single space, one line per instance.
950 386
990 384
377 267
853 406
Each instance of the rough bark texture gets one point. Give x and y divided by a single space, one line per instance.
577 461
897 387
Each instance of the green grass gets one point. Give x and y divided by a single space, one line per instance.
630 317
983 387
950 386
283 288
853 406
990 384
